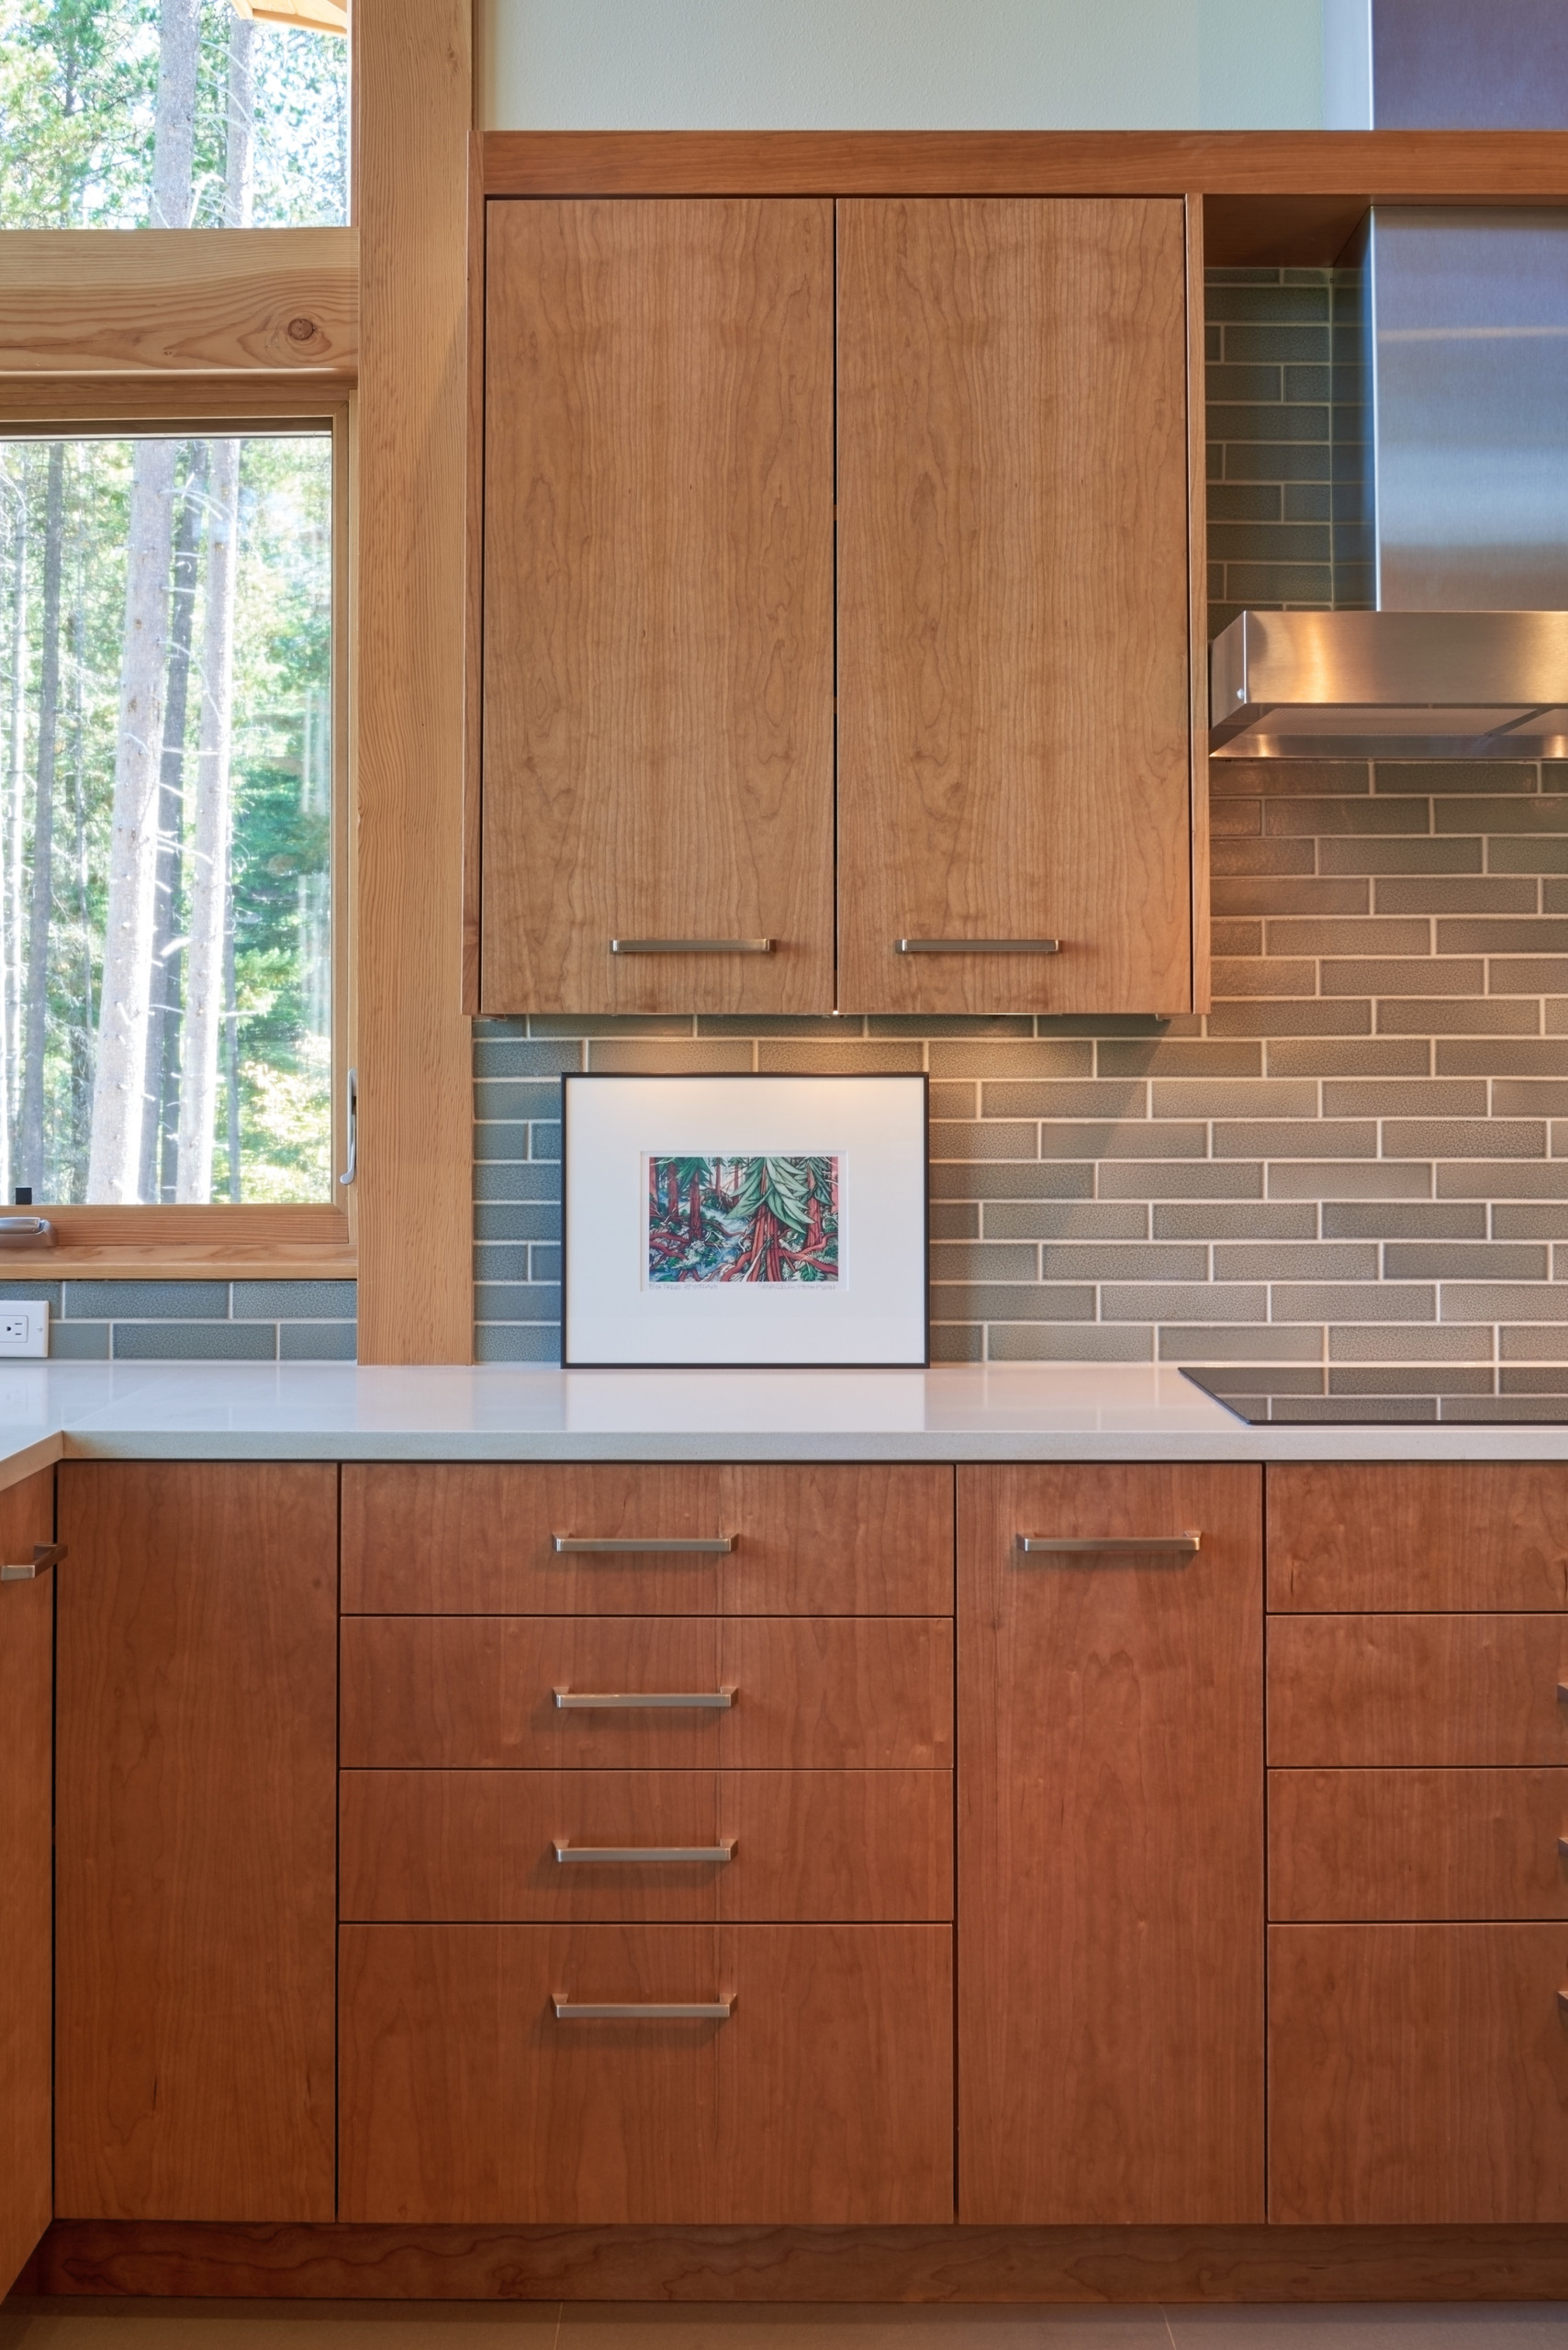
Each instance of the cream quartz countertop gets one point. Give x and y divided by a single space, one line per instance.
337 1412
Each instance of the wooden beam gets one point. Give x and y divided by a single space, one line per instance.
1407 166
413 67
179 301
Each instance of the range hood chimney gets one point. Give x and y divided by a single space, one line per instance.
1458 347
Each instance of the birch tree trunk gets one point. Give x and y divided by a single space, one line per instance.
207 986
115 1162
14 822
31 1152
164 1011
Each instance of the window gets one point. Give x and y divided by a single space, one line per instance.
119 114
166 834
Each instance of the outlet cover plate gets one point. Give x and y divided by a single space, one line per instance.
24 1325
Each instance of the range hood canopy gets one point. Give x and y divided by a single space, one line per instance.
1451 498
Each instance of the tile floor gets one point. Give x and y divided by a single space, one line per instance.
581 2325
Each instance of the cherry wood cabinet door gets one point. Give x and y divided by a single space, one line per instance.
1409 1537
27 1783
1109 1848
1383 1845
456 1538
1014 714
823 2097
196 1846
1418 2074
1371 1692
657 750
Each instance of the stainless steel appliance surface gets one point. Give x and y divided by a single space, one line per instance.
1266 1394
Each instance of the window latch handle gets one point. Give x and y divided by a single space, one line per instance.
352 1107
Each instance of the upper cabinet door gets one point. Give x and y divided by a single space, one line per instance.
1013 696
657 742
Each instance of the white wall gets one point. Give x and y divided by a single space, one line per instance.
901 64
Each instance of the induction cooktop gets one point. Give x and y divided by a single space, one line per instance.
1274 1394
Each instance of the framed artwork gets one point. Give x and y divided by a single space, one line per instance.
763 1220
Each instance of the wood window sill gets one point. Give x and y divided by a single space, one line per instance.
187 1243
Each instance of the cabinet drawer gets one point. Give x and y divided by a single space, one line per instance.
1417 2075
1416 1535
825 2096
479 1692
1417 1844
457 1540
806 1846
1438 1690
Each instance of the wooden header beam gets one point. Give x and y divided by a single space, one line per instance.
179 302
1406 166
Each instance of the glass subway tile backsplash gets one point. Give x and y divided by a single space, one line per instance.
150 1321
1360 1156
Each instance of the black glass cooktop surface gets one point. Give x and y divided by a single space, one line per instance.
1273 1393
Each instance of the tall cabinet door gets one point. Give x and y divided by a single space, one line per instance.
1109 1845
1014 686
26 1785
197 1844
658 741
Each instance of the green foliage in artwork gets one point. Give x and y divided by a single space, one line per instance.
766 1218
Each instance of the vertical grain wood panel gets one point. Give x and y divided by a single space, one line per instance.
1110 1851
26 1936
1418 2074
825 2098
1198 602
1417 1535
196 1896
1352 1692
478 1538
658 593
412 76
808 1846
1385 1845
478 1692
1014 724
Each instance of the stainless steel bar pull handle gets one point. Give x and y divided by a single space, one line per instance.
631 1854
639 1700
1180 1546
691 946
642 2011
976 947
705 1545
45 1555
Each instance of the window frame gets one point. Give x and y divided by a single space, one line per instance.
222 1240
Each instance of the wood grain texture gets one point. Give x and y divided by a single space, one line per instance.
856 1847
1417 1535
196 1827
474 1692
195 1244
1198 601
1110 1851
413 1047
1418 2073
1363 1691
165 302
1386 1845
658 604
473 859
26 1885
825 2096
459 1538
1014 728
781 2266
1391 165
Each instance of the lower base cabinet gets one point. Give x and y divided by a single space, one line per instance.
825 2096
27 1791
1418 2074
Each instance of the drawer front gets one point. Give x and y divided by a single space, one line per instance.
823 2097
1417 2075
814 1846
1415 1536
1416 1844
458 1539
478 1692
1359 1691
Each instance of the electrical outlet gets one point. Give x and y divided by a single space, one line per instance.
24 1326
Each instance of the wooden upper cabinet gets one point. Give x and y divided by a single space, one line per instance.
1015 729
657 665
27 1790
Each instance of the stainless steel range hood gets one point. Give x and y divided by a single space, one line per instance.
1455 468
